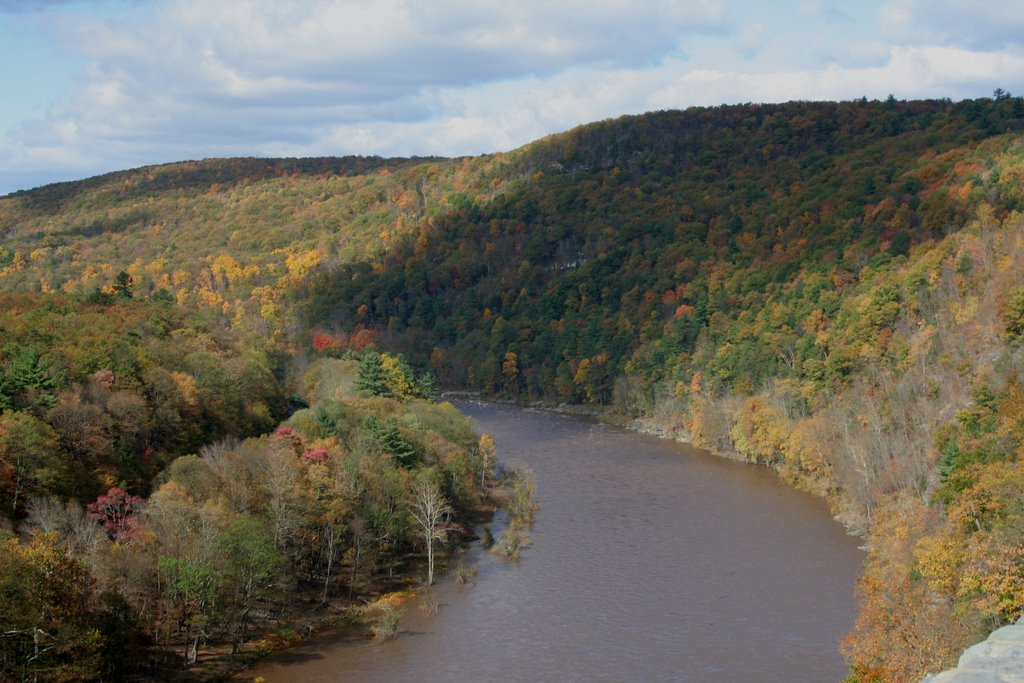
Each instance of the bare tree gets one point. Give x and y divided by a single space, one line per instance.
432 513
280 474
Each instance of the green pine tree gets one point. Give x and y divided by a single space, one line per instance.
426 385
30 375
372 379
123 285
391 440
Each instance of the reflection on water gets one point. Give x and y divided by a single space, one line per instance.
651 562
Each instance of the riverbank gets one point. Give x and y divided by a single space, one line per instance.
343 482
306 621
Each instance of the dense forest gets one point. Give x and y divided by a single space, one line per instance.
835 290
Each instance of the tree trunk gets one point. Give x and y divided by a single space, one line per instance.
430 563
330 564
355 567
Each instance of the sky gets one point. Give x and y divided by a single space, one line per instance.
92 86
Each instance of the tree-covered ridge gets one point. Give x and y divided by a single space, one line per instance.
625 239
192 175
229 236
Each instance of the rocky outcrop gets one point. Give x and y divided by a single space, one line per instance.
997 659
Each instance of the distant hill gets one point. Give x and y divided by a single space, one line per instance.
831 289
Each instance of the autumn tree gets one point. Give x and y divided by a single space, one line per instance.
1013 317
254 569
593 376
330 508
118 512
510 372
30 462
400 377
488 456
189 563
48 612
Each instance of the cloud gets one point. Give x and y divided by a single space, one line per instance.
398 43
504 116
349 61
977 24
814 8
910 72
750 40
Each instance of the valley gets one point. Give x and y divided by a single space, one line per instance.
833 290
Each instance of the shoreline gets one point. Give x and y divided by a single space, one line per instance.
340 618
651 426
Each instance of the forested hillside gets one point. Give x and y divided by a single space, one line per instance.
835 290
167 520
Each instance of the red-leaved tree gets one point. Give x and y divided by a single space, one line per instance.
118 512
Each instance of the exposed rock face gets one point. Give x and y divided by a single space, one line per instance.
998 659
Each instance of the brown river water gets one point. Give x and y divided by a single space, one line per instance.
651 561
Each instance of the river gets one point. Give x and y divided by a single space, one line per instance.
651 561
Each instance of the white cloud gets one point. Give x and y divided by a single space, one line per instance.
908 72
350 60
394 43
750 40
503 116
977 24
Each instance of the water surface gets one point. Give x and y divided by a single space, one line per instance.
651 561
